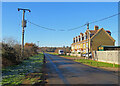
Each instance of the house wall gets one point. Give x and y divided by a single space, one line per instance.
101 39
78 46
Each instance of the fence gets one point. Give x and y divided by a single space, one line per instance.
107 56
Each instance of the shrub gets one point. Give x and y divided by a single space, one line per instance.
11 51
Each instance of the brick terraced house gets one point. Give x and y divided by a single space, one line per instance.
97 37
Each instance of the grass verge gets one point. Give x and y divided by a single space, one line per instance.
28 70
96 63
93 63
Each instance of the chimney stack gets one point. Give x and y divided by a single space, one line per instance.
96 28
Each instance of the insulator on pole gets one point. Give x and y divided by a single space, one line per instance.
87 25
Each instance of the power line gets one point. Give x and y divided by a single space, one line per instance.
104 18
95 21
75 27
41 26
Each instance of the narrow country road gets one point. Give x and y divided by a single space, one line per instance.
65 71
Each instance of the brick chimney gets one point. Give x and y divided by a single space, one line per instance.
96 28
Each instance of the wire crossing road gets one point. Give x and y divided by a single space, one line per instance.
65 71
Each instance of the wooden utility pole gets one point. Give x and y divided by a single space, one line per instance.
38 43
23 26
88 37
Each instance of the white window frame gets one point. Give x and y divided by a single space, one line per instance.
86 44
84 36
81 37
86 50
83 45
78 38
77 46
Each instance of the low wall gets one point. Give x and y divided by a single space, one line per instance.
77 55
107 56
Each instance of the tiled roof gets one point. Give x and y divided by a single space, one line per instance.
92 31
103 30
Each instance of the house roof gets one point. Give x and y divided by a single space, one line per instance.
92 31
95 32
105 32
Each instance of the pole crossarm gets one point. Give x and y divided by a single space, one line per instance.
24 9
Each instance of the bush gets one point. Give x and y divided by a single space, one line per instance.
12 51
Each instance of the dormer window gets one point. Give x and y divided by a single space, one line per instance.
84 36
73 40
79 38
108 32
76 39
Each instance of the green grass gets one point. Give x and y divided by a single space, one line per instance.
14 75
96 63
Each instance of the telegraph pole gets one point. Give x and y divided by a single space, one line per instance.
38 43
23 26
88 37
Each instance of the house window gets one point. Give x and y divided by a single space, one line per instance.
77 46
86 36
76 40
109 32
83 50
86 50
82 38
83 45
86 44
73 41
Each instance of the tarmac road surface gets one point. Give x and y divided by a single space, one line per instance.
65 71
